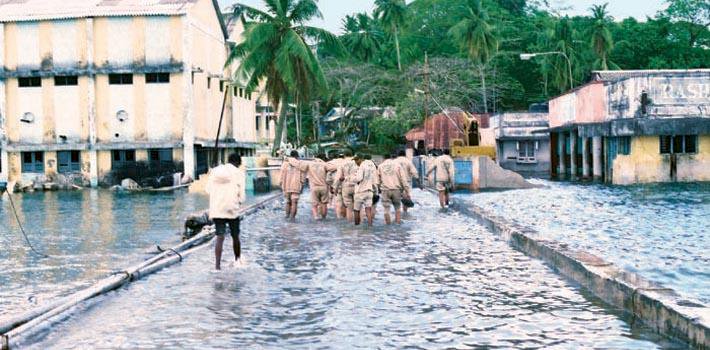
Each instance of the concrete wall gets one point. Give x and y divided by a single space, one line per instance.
509 154
645 164
672 95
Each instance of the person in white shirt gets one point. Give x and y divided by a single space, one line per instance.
226 187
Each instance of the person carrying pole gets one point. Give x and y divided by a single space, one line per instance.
410 172
393 184
343 179
226 187
292 179
444 167
366 184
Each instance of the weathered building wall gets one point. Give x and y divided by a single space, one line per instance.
590 103
206 36
644 164
695 167
562 110
669 96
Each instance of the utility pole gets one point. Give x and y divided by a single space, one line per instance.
427 95
316 119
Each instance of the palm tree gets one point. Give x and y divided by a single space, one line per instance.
362 38
476 35
563 41
275 52
602 42
392 13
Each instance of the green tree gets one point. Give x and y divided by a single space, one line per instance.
275 52
693 15
392 13
563 41
362 37
475 34
602 42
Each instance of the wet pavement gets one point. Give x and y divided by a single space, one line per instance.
438 281
659 231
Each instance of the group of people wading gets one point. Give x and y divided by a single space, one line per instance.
354 184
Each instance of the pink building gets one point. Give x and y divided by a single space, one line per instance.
634 127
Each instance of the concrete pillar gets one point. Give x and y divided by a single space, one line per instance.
188 133
597 157
91 98
561 153
585 157
4 164
573 153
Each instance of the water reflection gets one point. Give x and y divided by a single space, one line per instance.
659 231
439 281
87 233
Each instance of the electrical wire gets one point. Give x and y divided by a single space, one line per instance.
22 229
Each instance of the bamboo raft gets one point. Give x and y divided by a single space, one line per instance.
15 330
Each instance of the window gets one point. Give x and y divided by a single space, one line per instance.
235 92
30 82
526 151
123 158
268 121
678 144
221 86
157 78
32 162
68 161
161 156
120 79
258 121
241 92
623 145
209 83
66 80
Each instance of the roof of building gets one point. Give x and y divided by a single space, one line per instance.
38 10
616 75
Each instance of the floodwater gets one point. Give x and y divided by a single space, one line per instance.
88 234
438 281
659 231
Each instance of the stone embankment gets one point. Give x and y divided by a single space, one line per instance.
659 307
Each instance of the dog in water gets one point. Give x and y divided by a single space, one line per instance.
194 223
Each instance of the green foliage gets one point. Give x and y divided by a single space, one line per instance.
274 51
472 42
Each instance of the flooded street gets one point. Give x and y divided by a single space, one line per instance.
438 281
659 231
88 234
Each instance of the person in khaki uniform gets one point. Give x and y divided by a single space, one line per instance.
410 172
444 167
343 178
292 179
317 173
366 183
336 191
393 184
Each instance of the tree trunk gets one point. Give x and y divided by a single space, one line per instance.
280 125
396 44
483 88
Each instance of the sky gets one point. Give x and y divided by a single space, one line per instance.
335 10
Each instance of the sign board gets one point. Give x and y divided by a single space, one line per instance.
690 90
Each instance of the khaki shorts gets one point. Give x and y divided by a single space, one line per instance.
348 195
292 196
320 195
392 198
443 186
363 200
